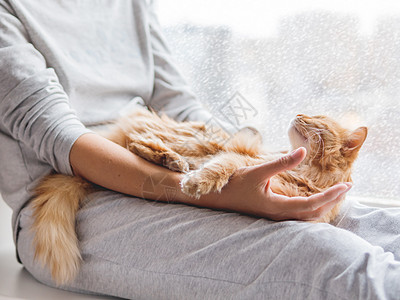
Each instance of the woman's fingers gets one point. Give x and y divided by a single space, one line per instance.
317 200
286 162
309 208
321 211
334 192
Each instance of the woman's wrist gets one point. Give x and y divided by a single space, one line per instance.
212 200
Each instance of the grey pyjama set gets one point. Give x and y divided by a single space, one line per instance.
68 65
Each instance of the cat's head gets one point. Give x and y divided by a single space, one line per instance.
330 147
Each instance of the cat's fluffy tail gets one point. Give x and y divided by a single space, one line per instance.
57 201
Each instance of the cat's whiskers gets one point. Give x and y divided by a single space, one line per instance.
320 141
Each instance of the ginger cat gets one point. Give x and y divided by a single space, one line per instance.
207 163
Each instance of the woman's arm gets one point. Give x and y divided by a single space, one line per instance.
114 167
107 164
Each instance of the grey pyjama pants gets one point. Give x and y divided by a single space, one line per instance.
138 249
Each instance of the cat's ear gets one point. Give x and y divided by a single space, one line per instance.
354 141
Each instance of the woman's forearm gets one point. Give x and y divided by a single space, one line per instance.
114 167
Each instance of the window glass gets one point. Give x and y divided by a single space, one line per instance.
338 58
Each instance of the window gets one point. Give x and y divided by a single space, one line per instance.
339 58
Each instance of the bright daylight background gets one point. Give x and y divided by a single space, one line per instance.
340 58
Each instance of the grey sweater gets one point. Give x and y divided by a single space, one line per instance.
66 65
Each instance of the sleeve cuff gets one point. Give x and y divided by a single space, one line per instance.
66 143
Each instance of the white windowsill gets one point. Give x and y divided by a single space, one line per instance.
377 202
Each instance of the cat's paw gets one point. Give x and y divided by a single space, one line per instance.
176 163
196 183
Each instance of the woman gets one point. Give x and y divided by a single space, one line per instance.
67 66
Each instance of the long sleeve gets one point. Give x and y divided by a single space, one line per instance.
34 107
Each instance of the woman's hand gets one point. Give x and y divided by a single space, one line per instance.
249 192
